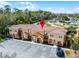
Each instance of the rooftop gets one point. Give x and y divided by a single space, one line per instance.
34 28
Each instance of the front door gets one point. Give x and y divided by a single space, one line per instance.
38 40
45 39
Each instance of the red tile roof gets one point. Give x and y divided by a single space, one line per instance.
36 28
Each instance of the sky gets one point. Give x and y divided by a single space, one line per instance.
52 6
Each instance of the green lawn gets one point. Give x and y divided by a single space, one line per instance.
1 40
48 24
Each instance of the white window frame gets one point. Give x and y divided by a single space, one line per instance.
51 36
59 36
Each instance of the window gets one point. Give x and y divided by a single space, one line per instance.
60 35
51 34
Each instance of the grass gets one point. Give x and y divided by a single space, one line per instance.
46 21
58 24
66 26
48 25
1 39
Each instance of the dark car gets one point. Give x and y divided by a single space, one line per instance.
60 53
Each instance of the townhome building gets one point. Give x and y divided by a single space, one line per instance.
49 34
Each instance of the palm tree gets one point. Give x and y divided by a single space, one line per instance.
1 10
7 8
70 36
75 44
45 37
69 41
20 33
29 36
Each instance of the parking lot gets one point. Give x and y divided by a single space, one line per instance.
27 49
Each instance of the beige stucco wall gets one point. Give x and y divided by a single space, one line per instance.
55 40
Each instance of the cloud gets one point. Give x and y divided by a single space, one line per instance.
33 7
63 10
20 5
53 10
3 3
28 5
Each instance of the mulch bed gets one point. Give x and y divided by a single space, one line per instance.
77 54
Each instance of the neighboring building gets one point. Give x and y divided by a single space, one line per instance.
54 34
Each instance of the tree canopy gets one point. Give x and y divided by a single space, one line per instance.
14 16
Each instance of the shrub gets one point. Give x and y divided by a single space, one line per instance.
1 39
